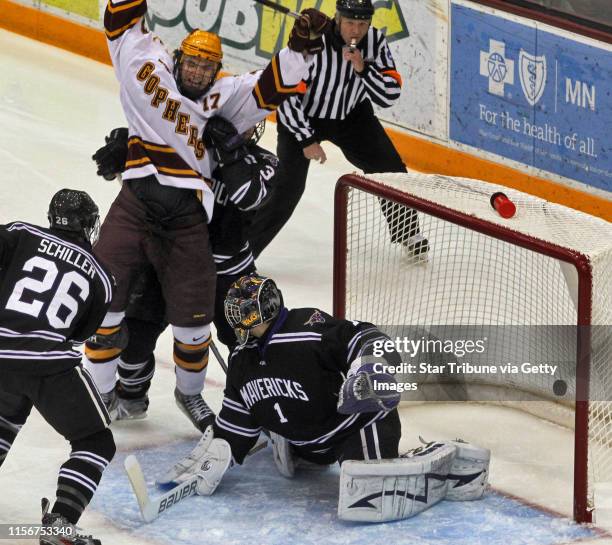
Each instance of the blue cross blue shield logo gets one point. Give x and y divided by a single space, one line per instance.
532 73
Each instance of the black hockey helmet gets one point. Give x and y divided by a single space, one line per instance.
74 211
251 300
355 9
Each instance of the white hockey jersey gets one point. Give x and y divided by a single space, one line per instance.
165 127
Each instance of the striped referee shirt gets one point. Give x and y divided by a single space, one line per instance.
334 89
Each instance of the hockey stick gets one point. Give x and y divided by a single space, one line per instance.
278 7
218 356
152 508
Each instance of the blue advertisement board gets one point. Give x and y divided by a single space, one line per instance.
532 96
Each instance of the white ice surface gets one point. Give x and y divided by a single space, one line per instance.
55 109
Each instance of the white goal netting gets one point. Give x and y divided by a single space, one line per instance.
522 283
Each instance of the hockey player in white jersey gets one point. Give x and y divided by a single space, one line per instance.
313 381
160 216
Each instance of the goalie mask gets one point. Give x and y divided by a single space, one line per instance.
76 212
251 300
197 62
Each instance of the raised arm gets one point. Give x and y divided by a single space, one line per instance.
382 81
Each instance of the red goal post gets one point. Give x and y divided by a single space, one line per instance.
548 266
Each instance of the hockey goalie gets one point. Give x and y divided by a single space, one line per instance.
312 382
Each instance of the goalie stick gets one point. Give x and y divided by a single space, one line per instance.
151 508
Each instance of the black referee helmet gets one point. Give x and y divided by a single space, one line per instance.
355 9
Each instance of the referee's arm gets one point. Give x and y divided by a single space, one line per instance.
380 78
293 117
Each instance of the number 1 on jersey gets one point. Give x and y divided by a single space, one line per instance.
280 413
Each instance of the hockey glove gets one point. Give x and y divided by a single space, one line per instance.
227 143
366 391
213 466
209 460
307 30
188 466
110 158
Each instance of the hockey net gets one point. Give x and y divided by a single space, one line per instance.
537 287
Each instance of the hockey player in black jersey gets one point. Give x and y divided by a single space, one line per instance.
53 296
241 182
294 374
316 384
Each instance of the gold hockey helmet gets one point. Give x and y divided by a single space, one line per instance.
197 63
200 43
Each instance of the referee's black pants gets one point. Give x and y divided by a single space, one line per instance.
364 143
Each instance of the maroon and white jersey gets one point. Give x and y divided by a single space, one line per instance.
165 127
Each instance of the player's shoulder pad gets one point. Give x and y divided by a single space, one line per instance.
310 317
263 154
242 349
225 86
12 225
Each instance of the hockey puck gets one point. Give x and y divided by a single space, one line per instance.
560 387
504 206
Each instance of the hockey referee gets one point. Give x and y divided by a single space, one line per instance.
354 69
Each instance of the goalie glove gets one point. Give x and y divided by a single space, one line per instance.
307 31
209 460
227 144
111 158
213 466
366 391
188 466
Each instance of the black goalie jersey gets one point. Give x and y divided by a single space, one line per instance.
288 382
53 292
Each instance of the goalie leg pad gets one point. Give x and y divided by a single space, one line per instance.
469 474
283 457
384 490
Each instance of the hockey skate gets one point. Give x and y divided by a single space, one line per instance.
132 409
196 409
59 531
111 402
125 408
